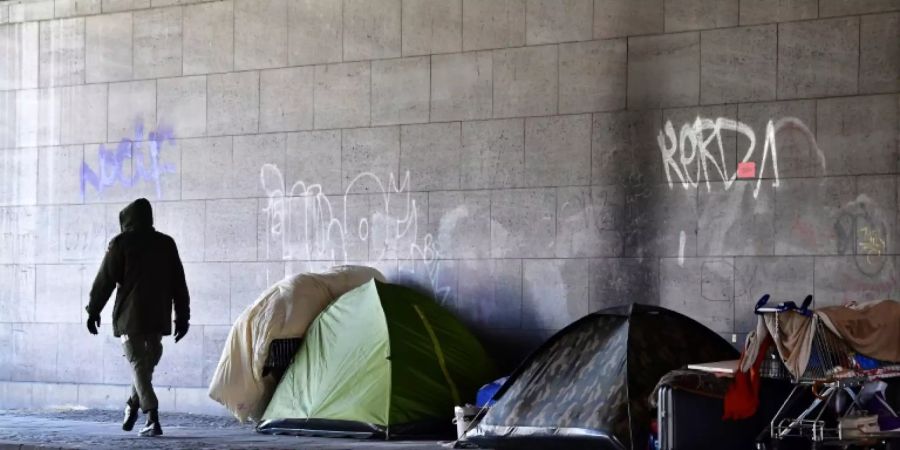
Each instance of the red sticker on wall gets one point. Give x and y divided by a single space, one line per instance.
746 169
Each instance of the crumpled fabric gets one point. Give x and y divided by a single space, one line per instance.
283 311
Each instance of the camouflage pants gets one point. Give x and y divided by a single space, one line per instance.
143 352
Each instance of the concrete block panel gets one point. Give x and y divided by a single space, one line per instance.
371 29
181 102
58 298
460 223
313 158
83 233
721 161
794 140
108 51
260 34
4 14
526 81
430 154
734 222
77 347
683 15
6 367
315 32
233 103
20 54
157 43
879 59
59 174
625 150
214 339
369 158
286 99
156 167
439 280
9 229
523 223
209 284
32 343
208 43
31 11
828 8
738 64
394 224
558 150
37 238
38 117
181 364
7 119
197 401
206 166
431 26
592 76
400 91
784 278
158 3
103 396
248 282
818 58
250 154
876 222
19 167
664 70
551 21
806 212
124 5
491 24
231 230
848 128
493 154
614 18
54 395
461 86
700 288
343 95
184 222
132 107
590 221
768 11
662 221
555 292
69 8
839 280
83 111
622 280
17 293
490 293
62 59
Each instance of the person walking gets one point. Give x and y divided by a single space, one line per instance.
144 268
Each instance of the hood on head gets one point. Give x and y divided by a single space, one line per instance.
136 216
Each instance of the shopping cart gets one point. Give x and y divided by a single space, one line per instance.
832 370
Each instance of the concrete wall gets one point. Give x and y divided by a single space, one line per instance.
529 161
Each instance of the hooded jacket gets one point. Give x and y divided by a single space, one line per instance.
144 268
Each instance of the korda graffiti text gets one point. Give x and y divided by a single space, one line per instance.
698 150
303 223
111 164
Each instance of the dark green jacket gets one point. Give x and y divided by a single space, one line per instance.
144 268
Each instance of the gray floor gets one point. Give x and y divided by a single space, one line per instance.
99 429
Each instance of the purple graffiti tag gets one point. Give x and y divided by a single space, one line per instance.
111 163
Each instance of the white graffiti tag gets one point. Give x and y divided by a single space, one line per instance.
700 151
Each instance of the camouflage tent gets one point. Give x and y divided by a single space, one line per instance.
588 385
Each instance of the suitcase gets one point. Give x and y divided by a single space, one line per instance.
690 421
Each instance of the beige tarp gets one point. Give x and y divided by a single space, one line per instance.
283 311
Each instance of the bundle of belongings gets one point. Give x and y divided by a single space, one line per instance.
867 335
284 311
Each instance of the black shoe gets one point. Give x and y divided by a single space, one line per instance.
152 427
131 416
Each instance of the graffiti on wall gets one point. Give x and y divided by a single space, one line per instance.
112 165
303 223
697 153
862 230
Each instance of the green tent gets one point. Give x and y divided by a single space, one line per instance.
381 361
